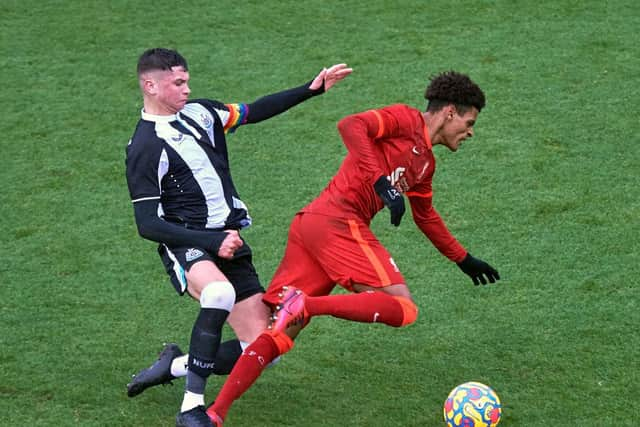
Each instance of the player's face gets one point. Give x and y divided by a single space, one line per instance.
171 89
458 127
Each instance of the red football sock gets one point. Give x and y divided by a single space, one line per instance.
246 371
367 307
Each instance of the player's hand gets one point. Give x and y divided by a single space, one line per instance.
230 244
329 77
392 199
478 270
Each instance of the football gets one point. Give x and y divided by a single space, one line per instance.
472 404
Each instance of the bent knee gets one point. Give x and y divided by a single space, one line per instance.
409 310
249 318
219 295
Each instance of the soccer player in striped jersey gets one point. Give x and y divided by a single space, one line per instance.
183 196
390 157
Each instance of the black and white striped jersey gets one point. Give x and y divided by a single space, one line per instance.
182 161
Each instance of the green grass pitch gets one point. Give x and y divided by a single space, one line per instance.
547 191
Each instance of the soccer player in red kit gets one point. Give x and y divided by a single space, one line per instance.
390 156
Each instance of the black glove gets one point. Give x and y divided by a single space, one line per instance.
391 197
478 269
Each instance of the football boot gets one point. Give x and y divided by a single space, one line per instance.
158 373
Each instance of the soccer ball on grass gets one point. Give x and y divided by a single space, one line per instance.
472 404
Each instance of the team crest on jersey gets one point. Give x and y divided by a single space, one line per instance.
192 254
178 137
398 180
206 120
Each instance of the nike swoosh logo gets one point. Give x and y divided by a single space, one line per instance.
415 151
424 169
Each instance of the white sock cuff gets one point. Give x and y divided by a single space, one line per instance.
179 366
191 400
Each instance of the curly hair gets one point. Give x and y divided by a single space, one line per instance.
160 59
451 87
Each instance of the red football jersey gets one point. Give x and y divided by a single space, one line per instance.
393 142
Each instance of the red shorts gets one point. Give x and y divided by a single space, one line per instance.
323 251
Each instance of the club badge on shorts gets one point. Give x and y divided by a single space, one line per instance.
192 254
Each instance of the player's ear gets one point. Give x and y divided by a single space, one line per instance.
148 84
451 111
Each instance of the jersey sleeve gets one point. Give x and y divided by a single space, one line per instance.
276 103
236 114
431 224
361 131
231 115
146 164
152 227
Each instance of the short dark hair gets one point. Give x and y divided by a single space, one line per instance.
451 87
160 58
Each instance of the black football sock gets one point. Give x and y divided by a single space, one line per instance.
205 341
227 356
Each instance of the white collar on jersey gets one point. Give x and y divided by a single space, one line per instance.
171 118
160 119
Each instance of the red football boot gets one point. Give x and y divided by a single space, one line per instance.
290 310
215 418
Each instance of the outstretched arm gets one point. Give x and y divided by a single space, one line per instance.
274 104
432 225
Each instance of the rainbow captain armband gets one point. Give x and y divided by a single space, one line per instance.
237 116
